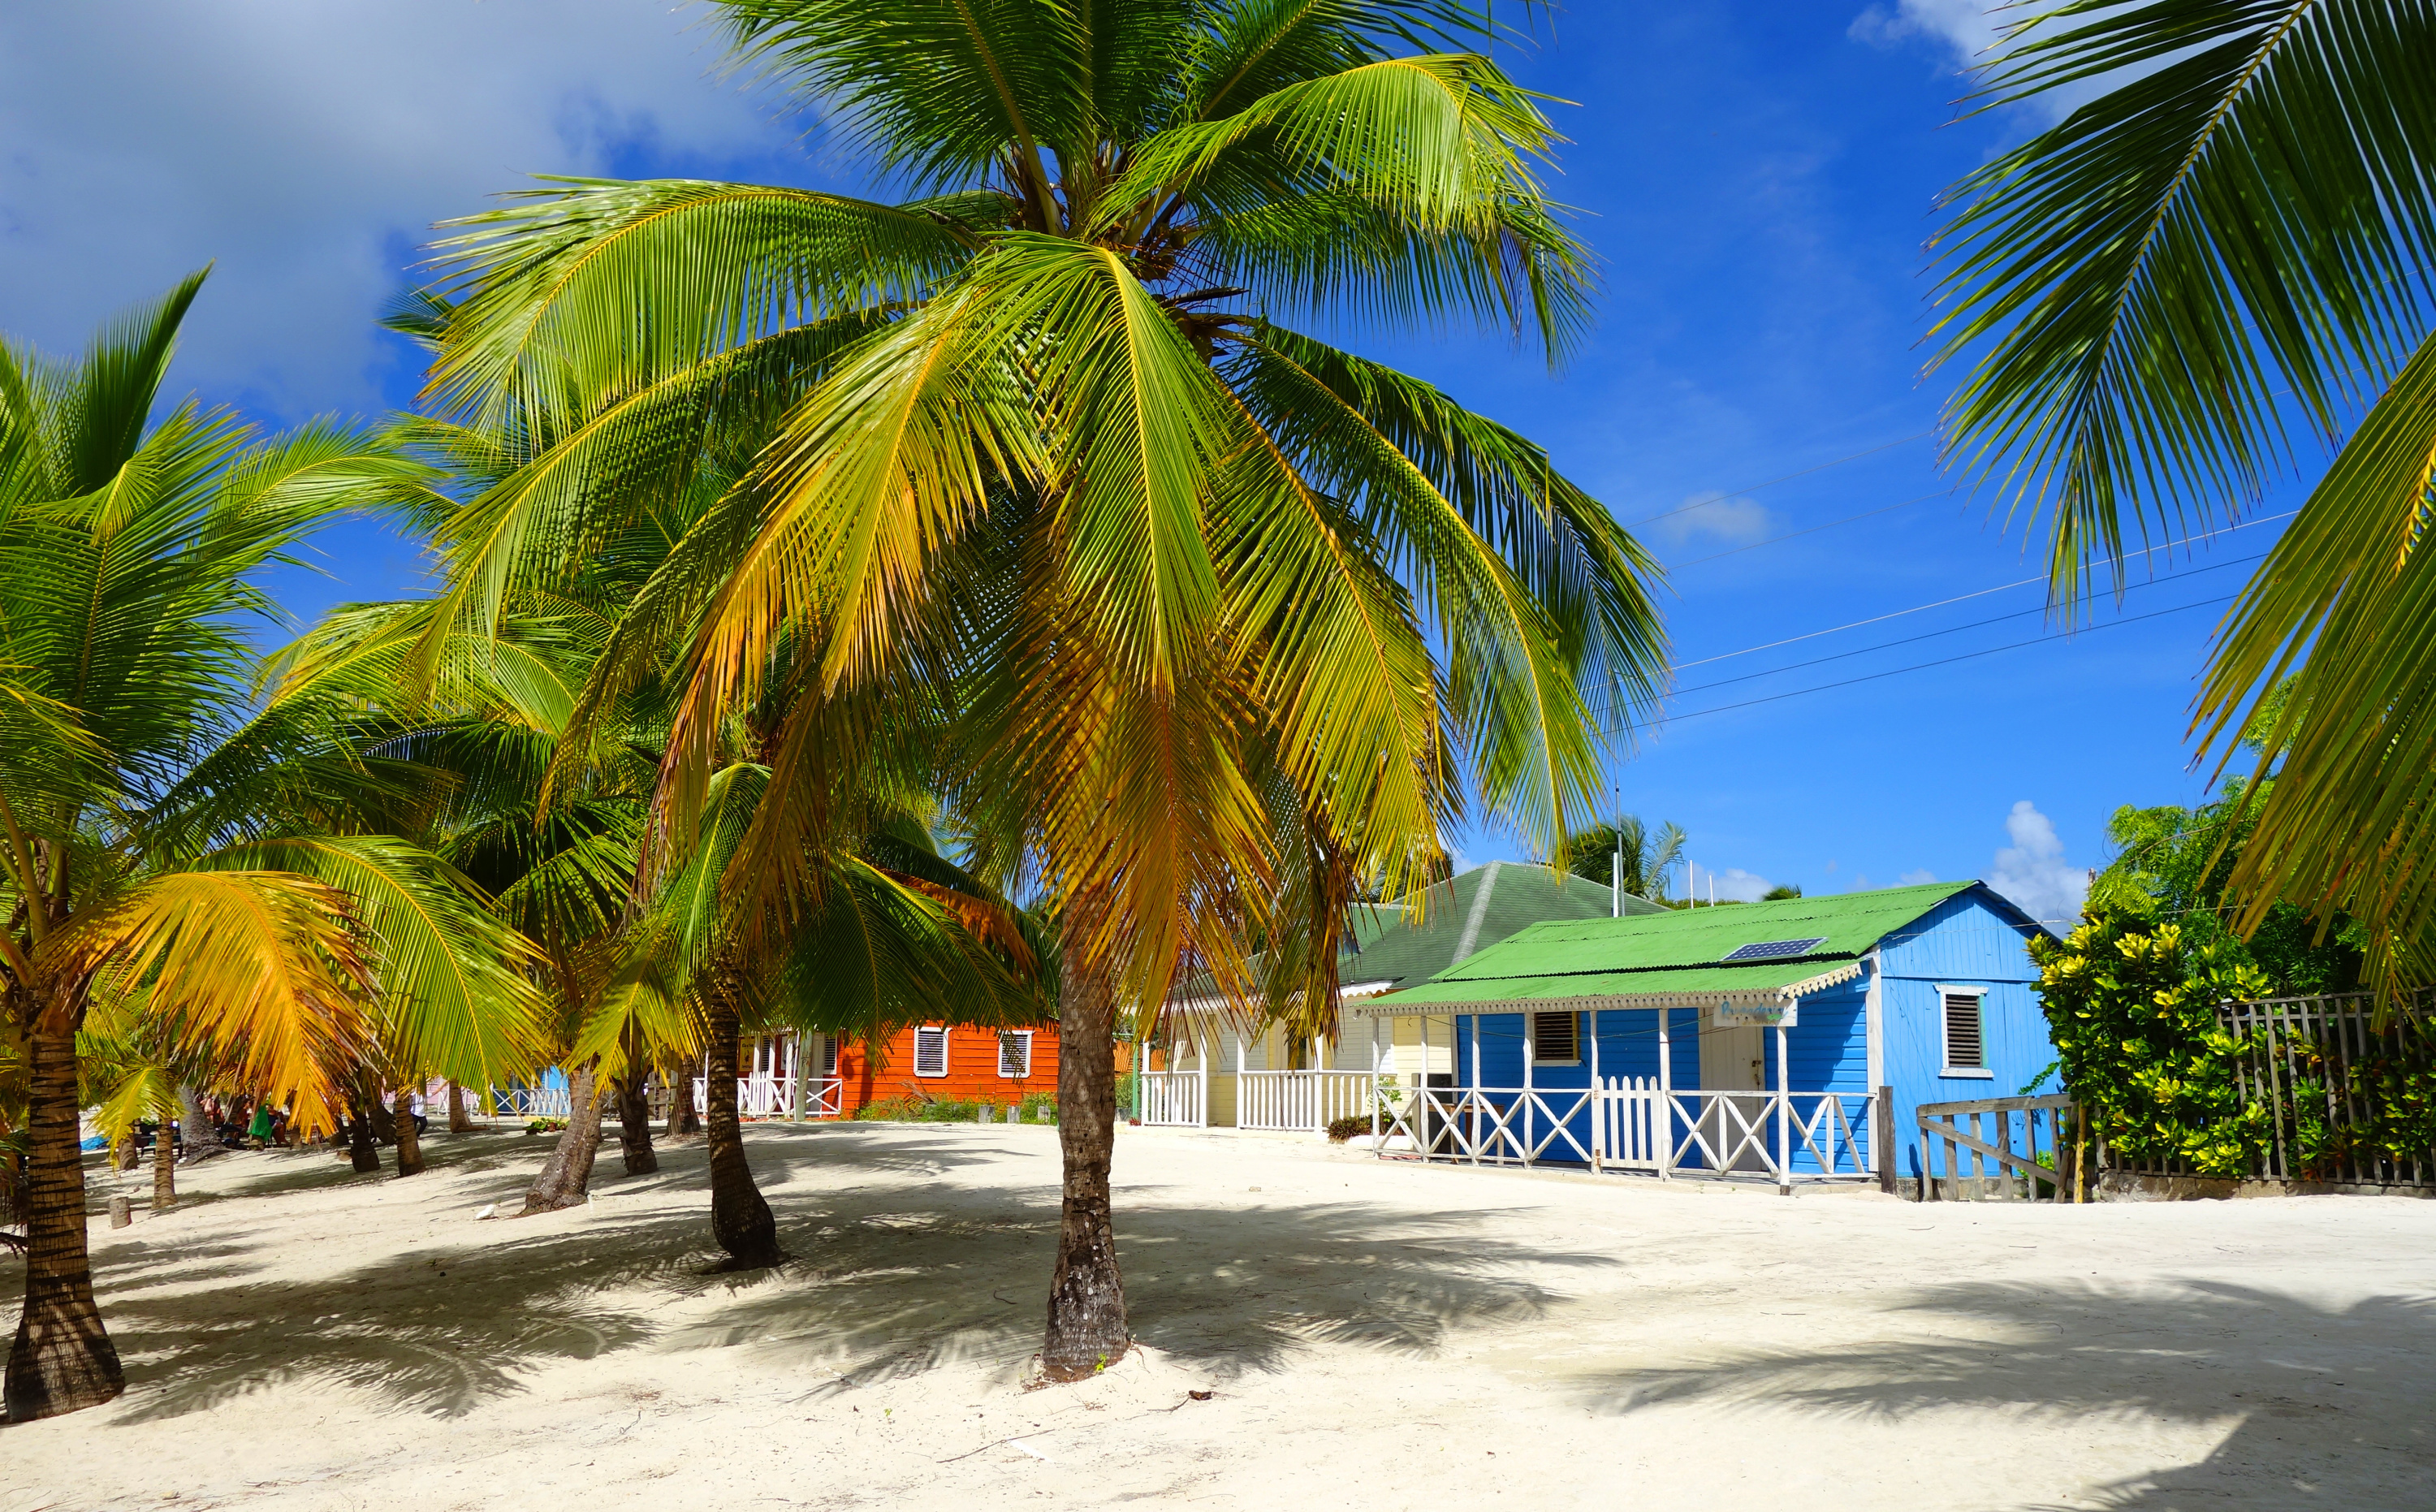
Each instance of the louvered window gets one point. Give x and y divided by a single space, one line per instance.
1015 1054
829 1055
929 1051
1964 1047
1556 1039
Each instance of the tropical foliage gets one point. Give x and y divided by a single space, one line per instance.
208 878
2231 248
1627 854
1218 615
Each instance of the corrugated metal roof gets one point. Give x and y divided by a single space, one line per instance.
1679 955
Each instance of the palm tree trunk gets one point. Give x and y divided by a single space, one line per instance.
202 1134
740 1218
165 1170
409 1142
635 1125
459 1121
360 1147
565 1177
1086 1296
682 1118
384 1124
63 1359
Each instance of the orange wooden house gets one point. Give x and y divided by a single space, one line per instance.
937 1062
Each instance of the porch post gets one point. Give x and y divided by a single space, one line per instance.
1201 1060
1598 1113
1530 1064
1783 1115
1374 1088
1666 1119
1476 1084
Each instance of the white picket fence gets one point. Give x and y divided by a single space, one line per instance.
1635 1124
1299 1101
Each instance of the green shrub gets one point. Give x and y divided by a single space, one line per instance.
1349 1125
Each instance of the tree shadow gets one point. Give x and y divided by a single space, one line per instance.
2327 1405
889 1279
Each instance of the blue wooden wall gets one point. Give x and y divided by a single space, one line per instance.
1972 939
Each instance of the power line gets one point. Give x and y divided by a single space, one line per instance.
1931 635
1977 593
1753 488
1946 661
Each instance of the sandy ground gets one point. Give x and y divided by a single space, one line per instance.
1372 1336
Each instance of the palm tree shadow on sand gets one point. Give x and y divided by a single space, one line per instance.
893 1276
2326 1405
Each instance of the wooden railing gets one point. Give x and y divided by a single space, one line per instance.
2000 1168
1171 1098
1638 1125
1299 1101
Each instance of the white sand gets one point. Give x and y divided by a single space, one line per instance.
1376 1336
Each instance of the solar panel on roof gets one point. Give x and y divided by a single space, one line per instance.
1773 950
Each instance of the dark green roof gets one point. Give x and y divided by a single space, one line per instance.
1503 897
1679 954
1390 946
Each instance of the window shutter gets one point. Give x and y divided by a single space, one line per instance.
929 1051
829 1055
1015 1052
1963 1051
1556 1038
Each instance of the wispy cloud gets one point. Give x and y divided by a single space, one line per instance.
1733 885
1737 520
1917 878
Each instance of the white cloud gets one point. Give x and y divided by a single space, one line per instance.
2032 871
306 145
1733 885
1966 28
1917 878
1714 516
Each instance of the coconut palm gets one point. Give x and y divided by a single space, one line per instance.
2233 243
1222 613
161 840
1627 854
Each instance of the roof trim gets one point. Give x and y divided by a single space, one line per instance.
1397 1006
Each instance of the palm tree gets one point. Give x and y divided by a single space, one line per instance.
2237 240
165 850
1627 854
1222 613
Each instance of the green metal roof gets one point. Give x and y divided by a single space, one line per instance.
1679 954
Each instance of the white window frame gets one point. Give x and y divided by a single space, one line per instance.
1978 995
940 1030
1024 1035
1536 1059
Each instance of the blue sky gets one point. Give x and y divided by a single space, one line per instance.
1757 180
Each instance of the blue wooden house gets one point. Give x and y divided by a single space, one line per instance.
1791 1039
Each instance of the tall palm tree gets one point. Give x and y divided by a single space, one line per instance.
161 839
2236 241
1222 613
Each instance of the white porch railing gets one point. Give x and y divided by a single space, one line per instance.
1299 1101
773 1097
528 1102
1172 1099
1638 1126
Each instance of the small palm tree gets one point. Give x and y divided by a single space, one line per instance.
168 851
1627 854
1222 613
2237 240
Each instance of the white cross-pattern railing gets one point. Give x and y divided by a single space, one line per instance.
1172 1099
1299 1101
773 1097
1638 1125
528 1102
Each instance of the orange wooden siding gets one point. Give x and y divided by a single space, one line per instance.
972 1069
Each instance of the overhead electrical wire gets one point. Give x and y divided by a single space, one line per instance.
1944 661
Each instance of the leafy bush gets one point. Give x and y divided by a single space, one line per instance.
1349 1125
546 1126
2133 1015
1040 1107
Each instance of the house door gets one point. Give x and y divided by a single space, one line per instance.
1733 1060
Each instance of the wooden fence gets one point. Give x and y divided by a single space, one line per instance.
1979 1138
